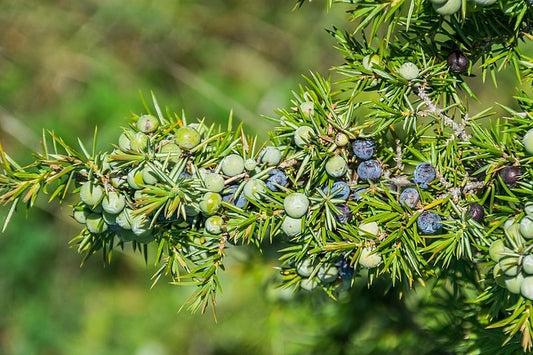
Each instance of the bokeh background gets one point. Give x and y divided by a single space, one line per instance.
69 66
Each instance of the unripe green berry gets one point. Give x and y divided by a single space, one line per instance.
528 141
497 250
232 165
408 70
187 137
336 166
371 228
369 61
292 227
149 175
271 156
526 227
498 275
135 179
514 284
210 203
109 218
214 224
526 288
308 284
448 8
253 189
139 141
368 258
124 139
172 150
125 219
147 123
302 135
509 265
80 215
214 182
527 264
140 226
305 268
91 194
113 202
250 164
296 205
95 224
327 274
341 139
528 209
308 109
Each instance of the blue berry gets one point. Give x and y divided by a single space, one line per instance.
364 148
229 197
424 174
429 222
370 169
476 211
409 197
339 190
277 177
344 213
357 193
346 270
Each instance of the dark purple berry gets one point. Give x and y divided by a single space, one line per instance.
344 214
277 177
476 211
339 190
409 197
229 196
429 222
364 148
424 174
510 175
370 169
345 269
458 62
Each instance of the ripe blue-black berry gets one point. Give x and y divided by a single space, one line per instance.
229 196
346 270
429 222
409 197
340 190
510 175
277 177
370 169
424 174
457 62
344 213
357 193
364 148
476 211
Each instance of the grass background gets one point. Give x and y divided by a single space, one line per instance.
70 66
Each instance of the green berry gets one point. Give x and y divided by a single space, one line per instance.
95 224
497 250
250 164
526 227
528 141
187 137
369 61
139 141
113 202
371 228
341 139
232 165
296 205
91 194
527 264
292 227
336 166
124 139
447 8
214 182
309 284
305 268
210 203
253 189
514 284
302 135
80 215
214 224
125 218
308 109
109 218
271 156
528 209
140 226
149 175
368 258
498 275
147 123
135 179
526 288
509 265
408 70
172 151
327 274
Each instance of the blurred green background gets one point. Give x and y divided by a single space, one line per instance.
70 65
